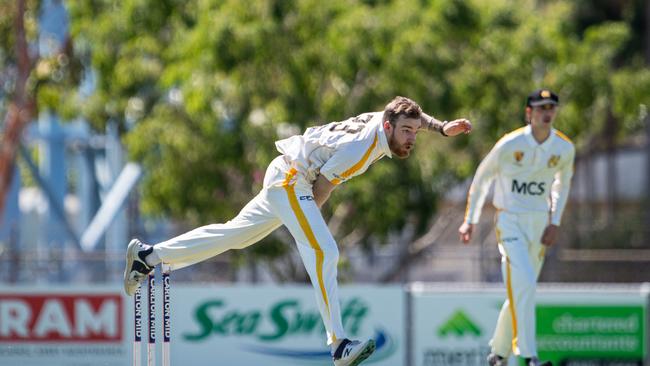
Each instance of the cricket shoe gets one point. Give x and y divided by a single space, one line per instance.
136 266
352 353
535 362
495 360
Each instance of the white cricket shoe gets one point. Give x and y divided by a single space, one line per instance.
352 353
136 269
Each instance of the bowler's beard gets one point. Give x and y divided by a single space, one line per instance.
399 150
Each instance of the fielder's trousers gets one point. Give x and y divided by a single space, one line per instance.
522 255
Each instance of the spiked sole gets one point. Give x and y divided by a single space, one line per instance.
370 348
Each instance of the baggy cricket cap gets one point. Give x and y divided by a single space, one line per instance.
542 97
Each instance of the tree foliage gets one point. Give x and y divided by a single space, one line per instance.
202 88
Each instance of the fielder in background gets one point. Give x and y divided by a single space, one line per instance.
296 184
533 166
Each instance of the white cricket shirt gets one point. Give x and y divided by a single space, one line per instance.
337 150
529 176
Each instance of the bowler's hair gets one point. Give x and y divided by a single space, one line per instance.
401 106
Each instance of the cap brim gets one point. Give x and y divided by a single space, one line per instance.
543 102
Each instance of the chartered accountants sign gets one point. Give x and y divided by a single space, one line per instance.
452 326
592 334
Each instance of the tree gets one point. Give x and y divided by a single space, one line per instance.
29 80
203 88
22 104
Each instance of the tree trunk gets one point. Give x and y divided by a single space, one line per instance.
21 108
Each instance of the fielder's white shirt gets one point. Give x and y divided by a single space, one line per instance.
337 150
529 176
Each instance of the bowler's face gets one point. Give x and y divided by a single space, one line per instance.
401 139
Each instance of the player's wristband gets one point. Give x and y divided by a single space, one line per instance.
442 128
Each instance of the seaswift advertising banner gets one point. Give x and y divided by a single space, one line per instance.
281 325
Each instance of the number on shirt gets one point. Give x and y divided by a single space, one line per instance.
354 125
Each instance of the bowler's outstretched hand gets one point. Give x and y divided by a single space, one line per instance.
457 126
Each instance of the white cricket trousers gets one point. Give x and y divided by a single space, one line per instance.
522 255
281 201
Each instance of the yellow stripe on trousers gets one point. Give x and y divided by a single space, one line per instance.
309 233
511 298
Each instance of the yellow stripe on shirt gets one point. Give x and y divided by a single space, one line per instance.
358 165
469 200
518 131
563 136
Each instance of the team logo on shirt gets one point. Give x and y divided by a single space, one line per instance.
528 188
518 156
553 160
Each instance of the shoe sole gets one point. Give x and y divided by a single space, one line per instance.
131 252
367 351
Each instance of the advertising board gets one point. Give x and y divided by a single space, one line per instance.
452 326
63 327
238 325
